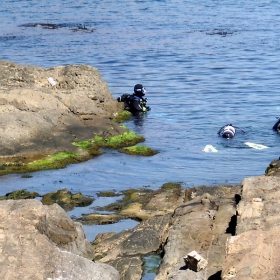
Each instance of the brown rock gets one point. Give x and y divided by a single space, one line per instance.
254 252
202 224
40 118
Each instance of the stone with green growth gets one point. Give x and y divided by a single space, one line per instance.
26 176
66 199
90 146
138 150
119 141
56 161
108 194
122 116
171 186
21 194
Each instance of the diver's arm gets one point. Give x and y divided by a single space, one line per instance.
219 132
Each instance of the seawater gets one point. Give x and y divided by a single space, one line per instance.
204 64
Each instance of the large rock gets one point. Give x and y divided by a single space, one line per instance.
42 242
254 252
125 251
40 118
201 221
202 224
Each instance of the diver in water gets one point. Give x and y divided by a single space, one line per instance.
228 131
276 127
135 102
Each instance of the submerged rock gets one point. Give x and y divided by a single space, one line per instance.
66 199
21 194
273 169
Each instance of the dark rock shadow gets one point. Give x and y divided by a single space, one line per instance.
216 276
185 267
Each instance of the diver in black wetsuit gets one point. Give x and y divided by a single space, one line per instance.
276 127
228 131
135 102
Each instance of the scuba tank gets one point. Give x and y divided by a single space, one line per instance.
228 131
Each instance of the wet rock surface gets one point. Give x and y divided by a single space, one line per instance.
125 251
273 169
234 229
177 221
66 199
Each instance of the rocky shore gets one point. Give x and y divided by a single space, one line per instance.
233 230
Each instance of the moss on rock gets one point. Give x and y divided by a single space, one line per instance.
125 139
21 194
171 186
138 150
122 116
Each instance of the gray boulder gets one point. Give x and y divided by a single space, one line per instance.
42 242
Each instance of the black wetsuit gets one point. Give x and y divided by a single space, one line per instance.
134 103
277 126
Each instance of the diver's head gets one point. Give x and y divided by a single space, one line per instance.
139 90
227 131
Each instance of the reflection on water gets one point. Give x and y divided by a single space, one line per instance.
151 266
92 231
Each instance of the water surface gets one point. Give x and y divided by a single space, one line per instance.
204 64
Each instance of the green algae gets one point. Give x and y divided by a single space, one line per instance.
139 150
171 186
84 145
89 146
55 161
88 149
21 194
125 139
122 116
